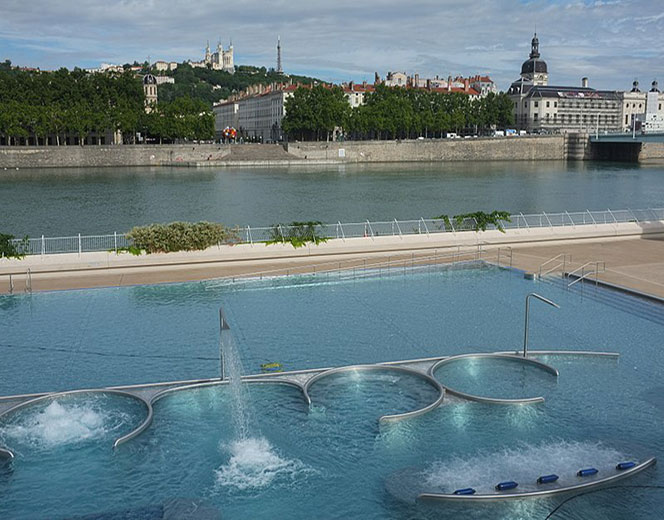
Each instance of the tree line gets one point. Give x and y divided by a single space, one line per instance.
210 85
392 113
65 106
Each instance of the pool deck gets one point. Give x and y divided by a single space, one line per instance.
633 254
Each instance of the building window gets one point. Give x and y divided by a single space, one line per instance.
548 104
555 104
535 116
536 104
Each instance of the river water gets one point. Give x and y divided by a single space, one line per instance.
57 202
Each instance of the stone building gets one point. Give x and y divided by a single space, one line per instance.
543 108
221 59
256 113
475 86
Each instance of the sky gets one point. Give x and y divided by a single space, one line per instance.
612 42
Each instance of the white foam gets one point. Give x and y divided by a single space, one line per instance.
255 464
522 463
58 424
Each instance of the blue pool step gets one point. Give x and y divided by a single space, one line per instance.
632 304
587 472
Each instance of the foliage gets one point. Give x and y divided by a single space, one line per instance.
210 86
37 104
9 249
184 118
133 250
312 113
395 113
481 220
180 236
297 233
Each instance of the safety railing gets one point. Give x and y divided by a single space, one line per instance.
367 229
553 264
585 271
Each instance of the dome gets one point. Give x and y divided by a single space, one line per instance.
534 65
149 79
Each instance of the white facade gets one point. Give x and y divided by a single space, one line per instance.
257 116
221 59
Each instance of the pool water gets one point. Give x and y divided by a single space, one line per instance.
333 459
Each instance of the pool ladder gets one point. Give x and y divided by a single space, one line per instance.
554 264
586 271
28 281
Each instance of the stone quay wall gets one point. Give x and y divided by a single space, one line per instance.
429 150
652 152
524 148
111 155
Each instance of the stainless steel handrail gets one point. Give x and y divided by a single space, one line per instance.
541 492
565 258
596 271
525 327
390 417
502 356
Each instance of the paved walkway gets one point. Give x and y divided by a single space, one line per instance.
636 263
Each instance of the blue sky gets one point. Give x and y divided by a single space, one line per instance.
610 41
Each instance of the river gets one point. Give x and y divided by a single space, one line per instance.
61 202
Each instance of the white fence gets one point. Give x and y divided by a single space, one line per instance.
249 235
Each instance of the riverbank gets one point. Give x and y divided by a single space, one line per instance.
631 242
531 148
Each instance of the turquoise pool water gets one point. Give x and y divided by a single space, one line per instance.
332 460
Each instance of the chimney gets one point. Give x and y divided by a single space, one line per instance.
417 80
584 82
364 84
449 83
466 84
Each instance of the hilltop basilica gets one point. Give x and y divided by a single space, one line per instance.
219 60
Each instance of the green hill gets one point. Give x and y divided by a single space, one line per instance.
210 86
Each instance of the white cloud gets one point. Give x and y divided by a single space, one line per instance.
610 41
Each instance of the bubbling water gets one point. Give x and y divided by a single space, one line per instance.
522 463
57 424
254 464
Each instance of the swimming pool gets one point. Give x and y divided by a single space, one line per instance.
332 460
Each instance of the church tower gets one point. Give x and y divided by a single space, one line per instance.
535 70
150 91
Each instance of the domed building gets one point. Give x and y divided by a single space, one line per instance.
545 109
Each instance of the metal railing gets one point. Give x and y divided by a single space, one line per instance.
561 262
367 229
585 271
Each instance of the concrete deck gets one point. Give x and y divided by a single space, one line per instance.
633 253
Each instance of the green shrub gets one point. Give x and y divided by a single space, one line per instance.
297 233
9 249
482 220
181 236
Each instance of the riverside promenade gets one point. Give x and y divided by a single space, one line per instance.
632 253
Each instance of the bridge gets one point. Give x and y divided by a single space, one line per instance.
628 138
626 147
